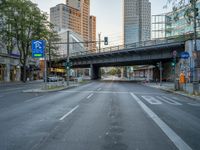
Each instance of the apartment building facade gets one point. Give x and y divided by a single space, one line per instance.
75 15
92 33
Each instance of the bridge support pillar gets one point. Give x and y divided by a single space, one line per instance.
95 72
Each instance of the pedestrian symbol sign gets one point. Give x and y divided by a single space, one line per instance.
38 47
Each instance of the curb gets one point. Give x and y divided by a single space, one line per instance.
175 92
19 83
54 90
47 91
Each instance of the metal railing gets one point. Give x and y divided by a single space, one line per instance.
128 46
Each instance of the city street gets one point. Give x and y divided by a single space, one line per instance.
99 115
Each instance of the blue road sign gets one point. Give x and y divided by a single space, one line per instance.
38 47
185 55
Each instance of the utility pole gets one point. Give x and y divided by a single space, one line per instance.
195 75
67 64
99 42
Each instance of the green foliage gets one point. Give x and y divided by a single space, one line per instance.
188 8
114 71
22 22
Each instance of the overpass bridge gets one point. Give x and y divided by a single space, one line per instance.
141 53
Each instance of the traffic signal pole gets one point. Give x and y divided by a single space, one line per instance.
174 61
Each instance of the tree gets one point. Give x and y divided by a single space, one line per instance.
191 15
26 23
51 37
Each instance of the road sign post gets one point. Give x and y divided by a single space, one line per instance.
38 51
174 67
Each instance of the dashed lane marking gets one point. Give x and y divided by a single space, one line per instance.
99 89
67 114
89 96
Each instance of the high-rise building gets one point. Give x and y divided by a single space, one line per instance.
137 21
84 7
75 15
65 17
159 25
92 33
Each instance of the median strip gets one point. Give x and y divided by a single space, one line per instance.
177 140
67 114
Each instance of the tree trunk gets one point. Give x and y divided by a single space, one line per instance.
24 73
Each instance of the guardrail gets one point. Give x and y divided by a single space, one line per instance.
127 46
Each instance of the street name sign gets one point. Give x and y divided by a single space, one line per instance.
185 55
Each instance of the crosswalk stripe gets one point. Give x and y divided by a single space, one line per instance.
151 100
168 100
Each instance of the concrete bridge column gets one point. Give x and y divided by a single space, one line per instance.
95 72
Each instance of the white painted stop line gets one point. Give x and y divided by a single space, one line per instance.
177 140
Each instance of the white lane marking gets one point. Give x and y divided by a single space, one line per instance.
99 89
67 114
168 100
33 99
152 100
177 140
89 96
194 104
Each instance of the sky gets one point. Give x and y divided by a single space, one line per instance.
108 13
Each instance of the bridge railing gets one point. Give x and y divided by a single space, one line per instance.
127 46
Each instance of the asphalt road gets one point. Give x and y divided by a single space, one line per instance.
99 116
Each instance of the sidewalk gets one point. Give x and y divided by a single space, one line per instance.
170 88
20 83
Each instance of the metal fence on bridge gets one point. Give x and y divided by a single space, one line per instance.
128 46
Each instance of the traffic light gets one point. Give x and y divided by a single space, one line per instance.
68 65
173 64
158 65
197 12
105 40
